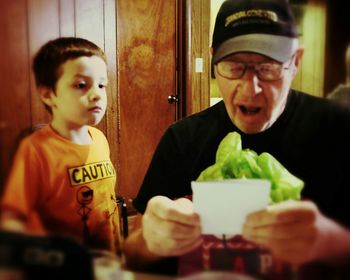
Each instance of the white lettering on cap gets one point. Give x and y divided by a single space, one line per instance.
251 13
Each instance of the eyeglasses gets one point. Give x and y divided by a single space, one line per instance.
265 71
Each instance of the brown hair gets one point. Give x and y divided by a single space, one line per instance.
54 53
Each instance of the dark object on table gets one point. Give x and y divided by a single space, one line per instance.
44 257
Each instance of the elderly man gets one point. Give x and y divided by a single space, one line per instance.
256 55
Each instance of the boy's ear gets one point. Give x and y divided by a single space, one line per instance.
46 95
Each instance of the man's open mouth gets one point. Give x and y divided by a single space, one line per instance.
249 110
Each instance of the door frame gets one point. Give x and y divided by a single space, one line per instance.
193 56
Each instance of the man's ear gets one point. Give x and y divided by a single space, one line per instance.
46 95
297 61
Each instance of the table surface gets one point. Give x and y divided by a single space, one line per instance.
209 275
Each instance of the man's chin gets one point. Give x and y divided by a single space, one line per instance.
249 128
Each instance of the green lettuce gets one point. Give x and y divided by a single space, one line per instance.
233 162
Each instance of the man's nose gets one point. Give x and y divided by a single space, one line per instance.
251 82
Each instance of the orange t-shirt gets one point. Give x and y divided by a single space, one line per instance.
70 187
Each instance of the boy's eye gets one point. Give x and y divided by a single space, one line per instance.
80 85
102 86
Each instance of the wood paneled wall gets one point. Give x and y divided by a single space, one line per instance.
25 26
310 78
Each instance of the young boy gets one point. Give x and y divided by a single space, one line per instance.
62 173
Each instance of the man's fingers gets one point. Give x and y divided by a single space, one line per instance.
285 212
180 211
171 228
173 247
168 228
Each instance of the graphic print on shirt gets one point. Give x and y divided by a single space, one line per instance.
91 172
96 205
104 222
84 198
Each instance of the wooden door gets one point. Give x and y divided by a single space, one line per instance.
146 47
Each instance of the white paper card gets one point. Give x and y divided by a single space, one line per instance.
223 205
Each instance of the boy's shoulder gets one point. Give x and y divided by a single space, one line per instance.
96 133
95 130
34 133
46 136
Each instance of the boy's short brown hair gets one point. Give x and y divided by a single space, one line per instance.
50 57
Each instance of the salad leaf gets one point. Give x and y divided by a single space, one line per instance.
233 162
231 144
212 172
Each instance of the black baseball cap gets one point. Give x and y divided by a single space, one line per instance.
266 27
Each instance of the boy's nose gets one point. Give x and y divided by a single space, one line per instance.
95 93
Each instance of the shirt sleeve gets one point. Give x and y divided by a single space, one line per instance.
21 191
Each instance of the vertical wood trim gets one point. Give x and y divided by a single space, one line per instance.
113 113
89 20
320 45
89 24
15 113
181 61
66 18
205 42
196 52
198 91
310 78
188 58
39 12
314 41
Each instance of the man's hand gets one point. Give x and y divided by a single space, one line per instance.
170 227
297 232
